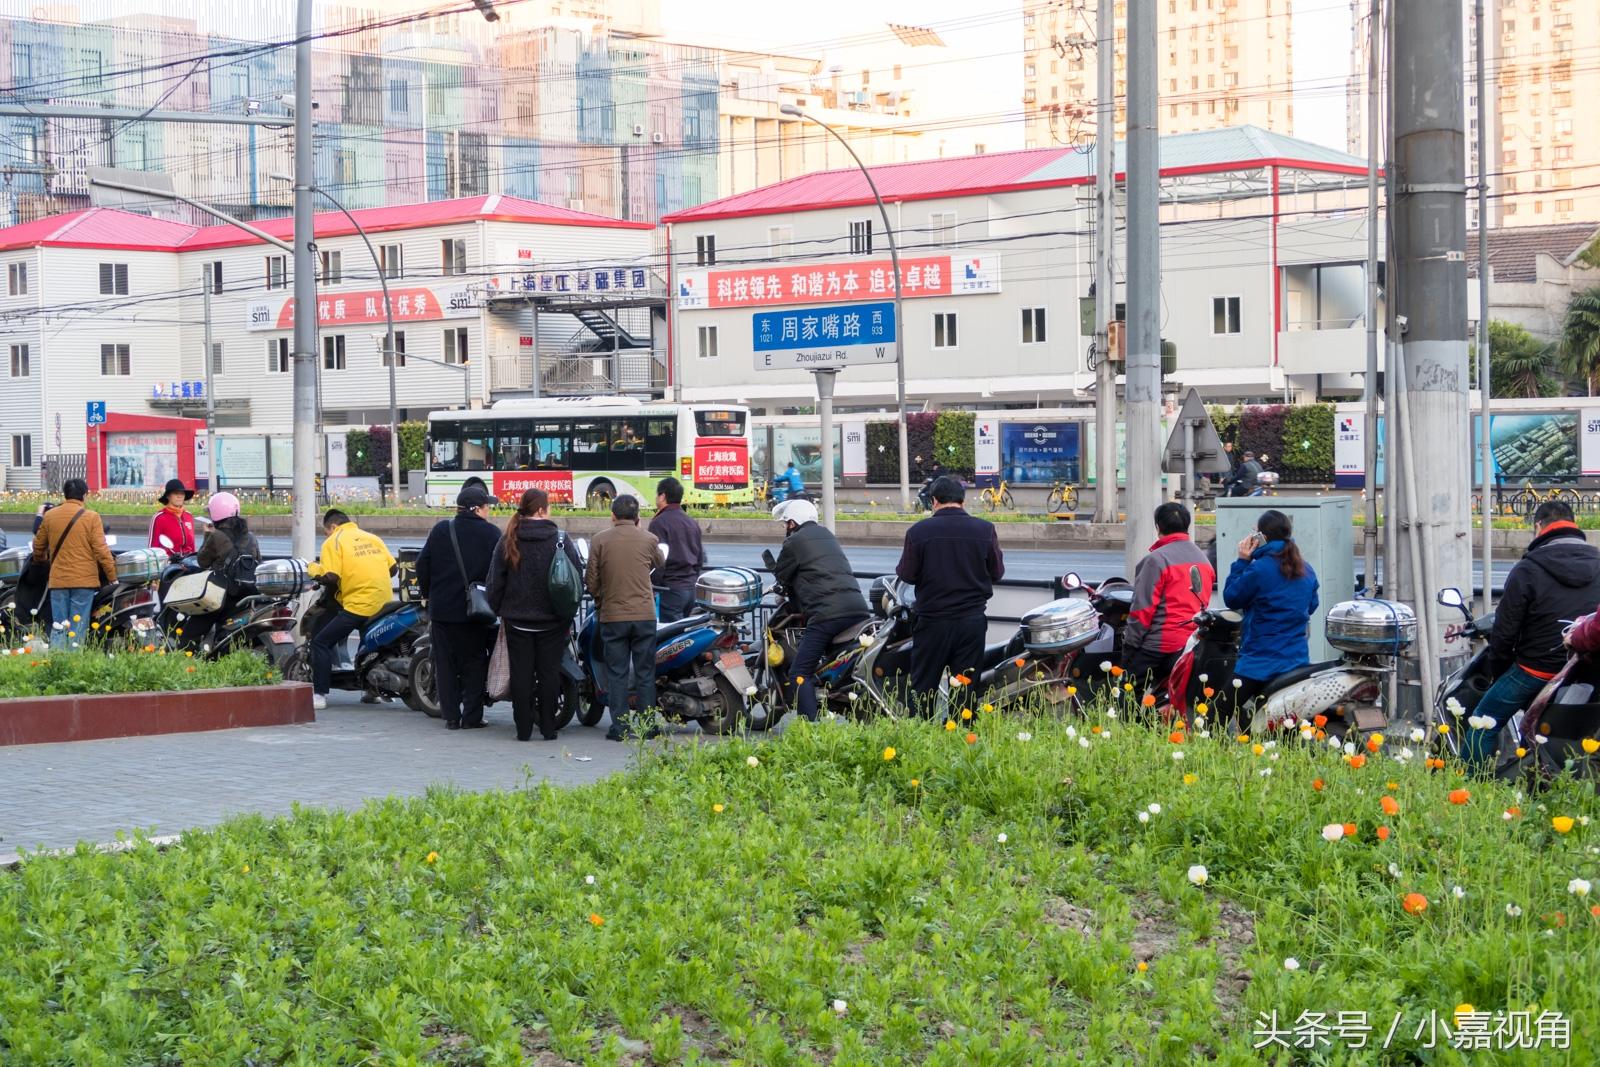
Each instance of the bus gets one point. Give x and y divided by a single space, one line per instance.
591 449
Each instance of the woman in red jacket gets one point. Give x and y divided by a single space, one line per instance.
173 522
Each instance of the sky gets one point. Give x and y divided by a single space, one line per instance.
987 45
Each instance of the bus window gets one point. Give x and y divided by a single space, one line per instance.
477 447
719 423
550 448
627 444
589 446
446 454
661 445
513 447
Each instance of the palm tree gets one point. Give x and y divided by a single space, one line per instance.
1580 338
1520 363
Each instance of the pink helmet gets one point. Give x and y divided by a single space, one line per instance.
222 506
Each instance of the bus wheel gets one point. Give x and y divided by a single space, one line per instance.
600 496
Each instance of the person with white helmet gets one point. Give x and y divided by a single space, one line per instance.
230 536
814 569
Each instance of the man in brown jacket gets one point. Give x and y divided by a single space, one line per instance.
72 541
620 562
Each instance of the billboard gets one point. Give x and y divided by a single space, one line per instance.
803 446
1040 452
141 460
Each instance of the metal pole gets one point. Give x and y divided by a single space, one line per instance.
466 385
211 400
305 297
825 380
899 317
1105 286
1144 283
1369 385
134 114
1189 487
1485 372
538 379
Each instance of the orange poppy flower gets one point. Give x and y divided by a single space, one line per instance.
1414 903
1094 729
1373 744
1319 720
1209 692
1117 672
1317 783
1349 829
1459 796
1383 833
972 739
1513 811
1358 761
1390 805
1176 737
961 679
595 919
1434 764
1149 700
1594 909
1322 735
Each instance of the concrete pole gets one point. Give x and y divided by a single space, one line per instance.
1105 286
1429 225
1144 284
538 380
1369 385
303 485
1485 454
211 400
825 380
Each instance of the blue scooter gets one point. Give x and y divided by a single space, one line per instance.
382 666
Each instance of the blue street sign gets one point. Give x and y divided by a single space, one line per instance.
833 336
97 413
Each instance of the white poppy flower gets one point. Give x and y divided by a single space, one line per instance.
1204 678
1513 910
1266 772
588 879
1199 875
1083 742
752 761
1578 887
1177 755
1144 816
1394 871
1000 838
1154 809
1105 666
1237 683
1024 736
1349 748
1458 893
840 1007
1072 731
1333 831
1417 736
1453 706
1291 964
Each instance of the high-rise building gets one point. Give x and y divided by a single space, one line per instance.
1222 63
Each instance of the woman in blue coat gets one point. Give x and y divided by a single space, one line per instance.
1276 589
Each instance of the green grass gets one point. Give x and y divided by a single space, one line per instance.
967 903
30 671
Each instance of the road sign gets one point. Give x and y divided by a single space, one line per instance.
839 335
1206 444
97 413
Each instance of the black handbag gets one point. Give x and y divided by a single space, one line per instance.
478 609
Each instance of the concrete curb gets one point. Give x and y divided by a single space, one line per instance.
97 716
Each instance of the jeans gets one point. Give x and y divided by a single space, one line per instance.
535 678
1512 692
630 655
64 604
808 657
461 668
940 646
327 641
674 604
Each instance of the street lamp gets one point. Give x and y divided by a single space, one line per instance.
899 319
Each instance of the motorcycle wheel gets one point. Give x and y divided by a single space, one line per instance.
570 701
592 710
733 709
423 693
297 668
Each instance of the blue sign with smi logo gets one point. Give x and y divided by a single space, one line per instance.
1040 452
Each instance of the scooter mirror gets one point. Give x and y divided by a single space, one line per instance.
1070 580
582 545
1451 597
166 542
768 558
666 550
111 540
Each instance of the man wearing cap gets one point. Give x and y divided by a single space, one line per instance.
458 552
172 528
814 569
1244 479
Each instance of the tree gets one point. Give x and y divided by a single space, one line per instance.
1520 365
1580 338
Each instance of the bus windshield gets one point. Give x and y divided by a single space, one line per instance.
722 423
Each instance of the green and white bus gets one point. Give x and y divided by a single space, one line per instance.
591 449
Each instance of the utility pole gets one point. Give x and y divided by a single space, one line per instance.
825 379
211 401
1369 384
1428 213
304 541
1144 284
1485 454
1105 286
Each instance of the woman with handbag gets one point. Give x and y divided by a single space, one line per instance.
451 569
537 625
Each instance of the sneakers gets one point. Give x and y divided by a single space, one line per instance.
318 702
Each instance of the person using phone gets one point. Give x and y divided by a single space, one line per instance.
1276 589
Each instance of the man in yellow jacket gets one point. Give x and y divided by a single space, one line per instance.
362 565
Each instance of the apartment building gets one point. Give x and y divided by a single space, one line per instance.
1223 63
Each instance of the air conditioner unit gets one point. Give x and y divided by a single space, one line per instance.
574 205
638 129
658 138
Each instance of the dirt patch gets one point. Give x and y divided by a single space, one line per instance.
1069 916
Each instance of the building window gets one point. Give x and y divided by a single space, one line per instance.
1224 314
399 99
708 342
942 227
333 352
705 250
216 358
779 240
17 279
114 360
399 349
214 276
22 450
277 272
861 237
453 255
332 268
277 355
391 258
455 346
944 329
114 279
1563 205
1033 326
20 364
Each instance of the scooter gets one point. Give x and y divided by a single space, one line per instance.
1564 716
258 609
1040 656
1112 601
1467 684
384 658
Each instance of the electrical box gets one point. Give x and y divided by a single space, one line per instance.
1322 529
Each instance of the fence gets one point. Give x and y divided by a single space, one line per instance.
61 466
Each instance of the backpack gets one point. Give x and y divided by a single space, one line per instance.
565 583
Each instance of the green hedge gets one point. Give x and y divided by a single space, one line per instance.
367 451
1296 438
99 670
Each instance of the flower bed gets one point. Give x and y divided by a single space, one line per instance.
1002 891
25 673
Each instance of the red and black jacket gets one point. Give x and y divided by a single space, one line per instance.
1164 598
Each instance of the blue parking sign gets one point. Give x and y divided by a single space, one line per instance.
97 413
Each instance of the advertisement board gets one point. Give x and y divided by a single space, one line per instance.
723 466
242 462
510 485
1535 448
986 451
803 446
1040 452
853 463
1590 419
838 282
282 454
141 460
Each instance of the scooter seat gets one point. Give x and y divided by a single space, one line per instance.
384 612
666 631
1299 674
851 633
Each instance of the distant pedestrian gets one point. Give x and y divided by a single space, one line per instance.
172 528
457 555
816 574
686 554
953 559
71 542
621 560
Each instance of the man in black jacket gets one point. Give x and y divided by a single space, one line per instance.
460 648
686 554
954 560
814 570
1556 581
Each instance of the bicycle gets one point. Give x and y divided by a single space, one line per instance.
1063 497
998 496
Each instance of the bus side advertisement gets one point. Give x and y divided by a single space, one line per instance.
721 464
510 485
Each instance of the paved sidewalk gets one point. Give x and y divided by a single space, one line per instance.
54 796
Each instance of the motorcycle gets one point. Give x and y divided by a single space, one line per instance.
1467 684
249 606
1040 656
123 608
1112 601
385 657
1563 717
